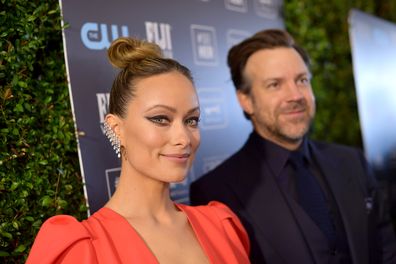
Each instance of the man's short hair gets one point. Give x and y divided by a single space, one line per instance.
266 39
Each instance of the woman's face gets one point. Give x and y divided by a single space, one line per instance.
160 132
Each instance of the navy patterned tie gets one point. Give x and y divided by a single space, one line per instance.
311 197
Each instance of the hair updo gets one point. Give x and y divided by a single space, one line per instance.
137 59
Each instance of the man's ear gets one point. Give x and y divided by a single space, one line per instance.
116 125
245 101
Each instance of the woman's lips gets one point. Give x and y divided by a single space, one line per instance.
181 158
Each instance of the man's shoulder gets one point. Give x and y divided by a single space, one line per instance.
216 184
228 166
335 148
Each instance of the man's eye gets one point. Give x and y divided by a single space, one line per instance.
303 81
273 85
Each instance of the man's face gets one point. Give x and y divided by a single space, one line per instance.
280 103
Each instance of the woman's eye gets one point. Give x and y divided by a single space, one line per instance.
161 120
193 121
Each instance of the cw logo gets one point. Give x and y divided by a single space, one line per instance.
96 36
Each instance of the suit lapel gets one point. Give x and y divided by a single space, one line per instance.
267 209
349 201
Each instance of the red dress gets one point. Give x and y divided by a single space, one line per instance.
107 237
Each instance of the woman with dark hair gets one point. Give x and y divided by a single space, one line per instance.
153 125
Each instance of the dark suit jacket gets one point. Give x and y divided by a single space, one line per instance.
245 183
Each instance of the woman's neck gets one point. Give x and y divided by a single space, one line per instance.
141 196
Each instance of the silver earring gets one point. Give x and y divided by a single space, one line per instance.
114 140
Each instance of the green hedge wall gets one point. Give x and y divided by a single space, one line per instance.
39 171
321 27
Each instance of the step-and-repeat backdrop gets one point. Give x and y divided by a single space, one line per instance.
198 33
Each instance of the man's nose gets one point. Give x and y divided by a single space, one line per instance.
295 92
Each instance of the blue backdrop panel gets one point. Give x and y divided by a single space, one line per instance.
198 33
373 43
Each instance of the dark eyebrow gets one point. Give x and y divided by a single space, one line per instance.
193 110
270 80
302 74
171 109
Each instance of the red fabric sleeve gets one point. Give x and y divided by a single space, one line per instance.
62 239
232 225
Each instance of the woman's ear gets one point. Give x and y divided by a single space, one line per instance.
115 123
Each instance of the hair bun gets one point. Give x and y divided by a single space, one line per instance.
125 51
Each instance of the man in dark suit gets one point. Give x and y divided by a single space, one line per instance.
301 201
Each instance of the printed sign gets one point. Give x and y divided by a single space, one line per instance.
186 31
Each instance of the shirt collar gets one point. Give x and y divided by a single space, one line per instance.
304 149
275 155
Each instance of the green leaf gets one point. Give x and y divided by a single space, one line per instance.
14 185
37 223
46 201
62 204
68 188
48 99
18 108
29 218
31 18
24 194
43 162
15 224
22 84
6 234
15 131
21 248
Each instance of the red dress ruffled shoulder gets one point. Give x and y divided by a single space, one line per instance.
221 232
232 224
62 239
106 237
